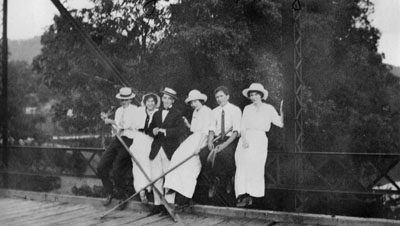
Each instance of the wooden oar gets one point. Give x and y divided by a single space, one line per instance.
151 183
154 181
163 200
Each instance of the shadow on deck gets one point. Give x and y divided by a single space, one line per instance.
34 208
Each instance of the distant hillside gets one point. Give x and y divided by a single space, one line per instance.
24 50
396 71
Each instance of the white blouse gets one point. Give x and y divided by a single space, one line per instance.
201 120
141 117
261 118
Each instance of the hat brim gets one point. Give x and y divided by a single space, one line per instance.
154 94
201 97
263 91
118 96
169 94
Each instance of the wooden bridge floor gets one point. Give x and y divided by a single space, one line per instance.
39 213
41 209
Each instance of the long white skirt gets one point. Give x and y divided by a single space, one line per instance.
184 178
140 149
250 164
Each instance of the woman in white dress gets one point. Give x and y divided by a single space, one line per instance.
252 149
141 145
184 178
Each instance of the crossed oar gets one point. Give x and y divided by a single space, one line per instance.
163 201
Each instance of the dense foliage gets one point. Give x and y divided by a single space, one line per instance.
25 90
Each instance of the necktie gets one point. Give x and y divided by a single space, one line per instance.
223 124
146 123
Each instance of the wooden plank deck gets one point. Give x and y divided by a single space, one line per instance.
17 212
38 209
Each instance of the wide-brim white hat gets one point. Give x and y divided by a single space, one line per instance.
170 92
158 99
125 93
195 95
256 87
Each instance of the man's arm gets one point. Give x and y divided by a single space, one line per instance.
178 127
227 142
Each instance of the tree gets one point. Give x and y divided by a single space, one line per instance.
122 31
24 91
187 45
346 77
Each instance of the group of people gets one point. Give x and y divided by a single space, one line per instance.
232 148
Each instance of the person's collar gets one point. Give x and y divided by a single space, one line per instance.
127 106
197 110
168 108
258 104
150 112
225 106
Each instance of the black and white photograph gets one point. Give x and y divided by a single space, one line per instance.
200 112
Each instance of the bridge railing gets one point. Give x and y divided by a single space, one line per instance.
52 161
301 173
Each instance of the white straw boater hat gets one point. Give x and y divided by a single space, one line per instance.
170 92
256 87
152 94
125 93
195 95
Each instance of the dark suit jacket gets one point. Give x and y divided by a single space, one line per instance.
174 126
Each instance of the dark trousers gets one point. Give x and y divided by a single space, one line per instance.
224 165
117 160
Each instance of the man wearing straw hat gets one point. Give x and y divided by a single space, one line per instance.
116 159
166 127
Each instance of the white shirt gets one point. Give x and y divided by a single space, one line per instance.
164 113
260 118
201 120
233 117
125 119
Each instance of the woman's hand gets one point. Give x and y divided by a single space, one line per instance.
281 112
186 122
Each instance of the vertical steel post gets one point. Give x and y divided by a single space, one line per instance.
298 81
298 101
4 93
286 58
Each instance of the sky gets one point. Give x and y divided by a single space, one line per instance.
387 19
29 18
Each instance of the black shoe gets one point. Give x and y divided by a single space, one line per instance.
122 206
108 200
181 200
245 202
164 211
155 210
